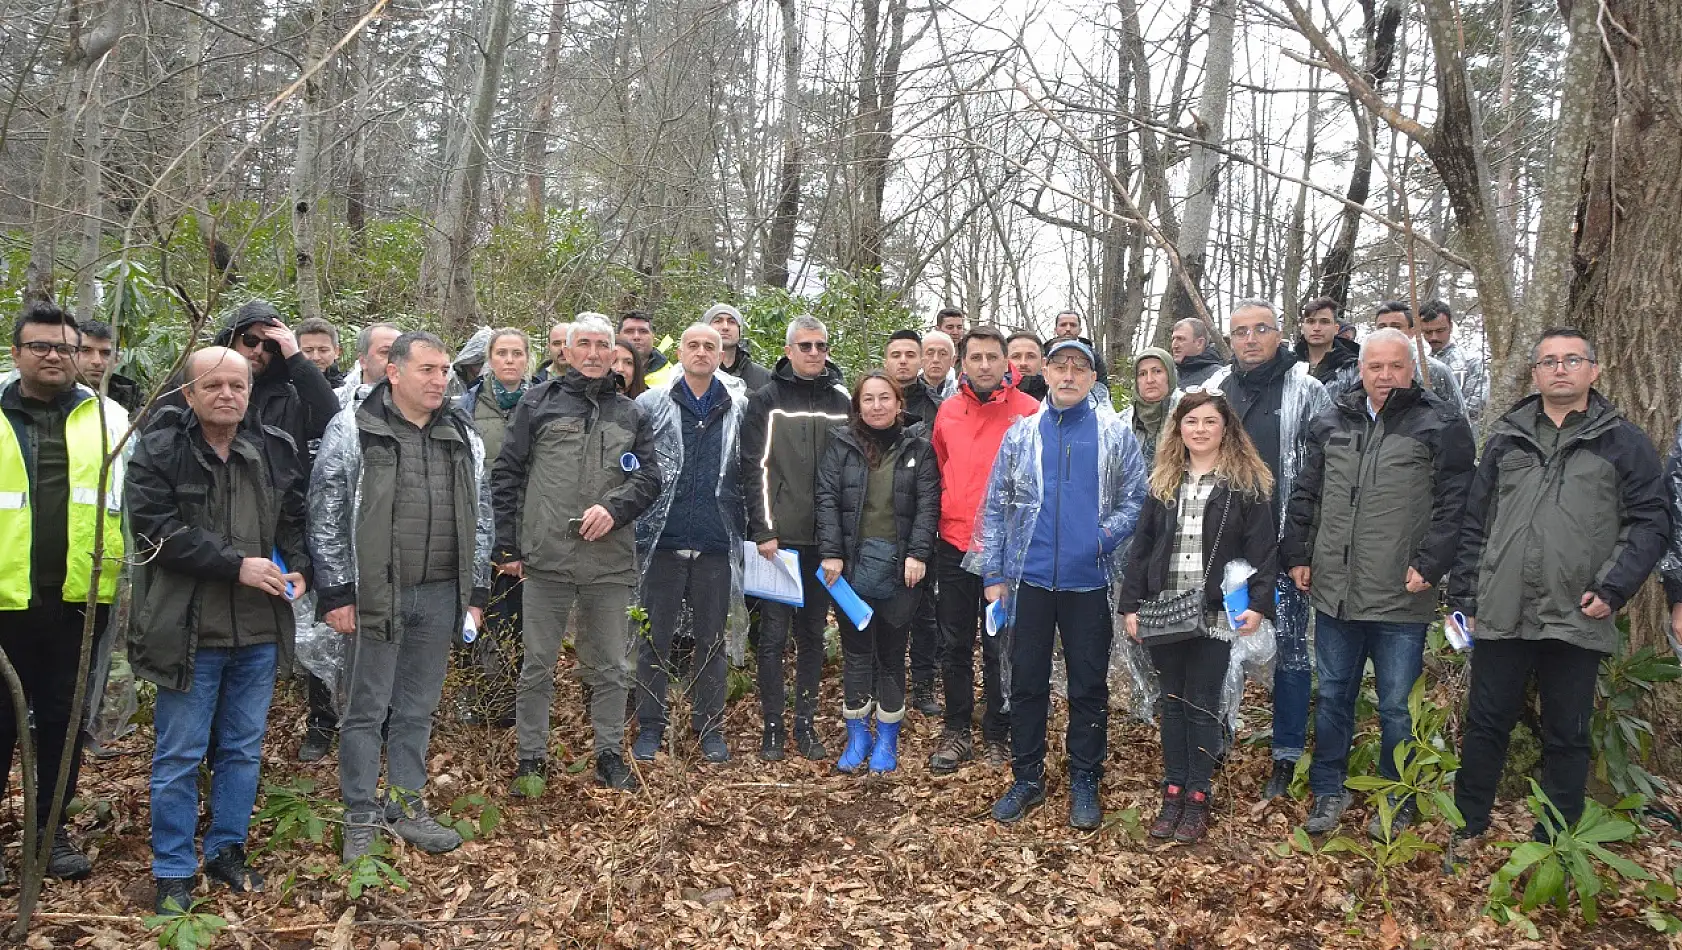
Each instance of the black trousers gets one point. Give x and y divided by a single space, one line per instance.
873 659
1083 618
780 623
44 644
1565 680
703 583
1190 674
925 634
959 612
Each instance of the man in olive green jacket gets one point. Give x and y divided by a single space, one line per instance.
1566 518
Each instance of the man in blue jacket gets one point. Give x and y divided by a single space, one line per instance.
1046 545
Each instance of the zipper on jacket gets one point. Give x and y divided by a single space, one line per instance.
1370 438
1057 519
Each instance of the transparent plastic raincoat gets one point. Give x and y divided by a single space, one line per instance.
662 415
1005 524
1670 566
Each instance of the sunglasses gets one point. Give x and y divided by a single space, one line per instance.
813 346
1213 392
251 340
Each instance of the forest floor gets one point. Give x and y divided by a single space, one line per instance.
795 855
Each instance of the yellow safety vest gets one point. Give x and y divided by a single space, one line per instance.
85 447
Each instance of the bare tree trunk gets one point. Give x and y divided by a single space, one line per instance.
446 271
306 205
779 247
363 56
1296 237
192 180
543 116
878 93
1204 175
92 203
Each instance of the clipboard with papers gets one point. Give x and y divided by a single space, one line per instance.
776 580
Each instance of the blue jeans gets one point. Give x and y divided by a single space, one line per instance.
1293 675
1342 647
231 688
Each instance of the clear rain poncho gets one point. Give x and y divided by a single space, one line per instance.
1670 566
662 415
1005 524
473 355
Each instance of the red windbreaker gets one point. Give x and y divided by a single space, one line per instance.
966 438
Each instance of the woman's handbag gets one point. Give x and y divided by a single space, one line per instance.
1169 618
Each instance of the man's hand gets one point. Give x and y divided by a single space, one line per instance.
282 337
514 569
342 619
914 571
994 592
478 615
261 573
1594 607
297 582
1416 582
1249 622
1302 576
1130 623
831 570
596 523
1676 621
768 549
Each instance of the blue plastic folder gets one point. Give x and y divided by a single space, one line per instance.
849 601
280 562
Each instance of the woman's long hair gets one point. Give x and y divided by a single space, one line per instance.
1237 462
861 430
638 383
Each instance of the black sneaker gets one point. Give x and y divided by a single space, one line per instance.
316 745
772 742
954 750
229 866
807 743
612 772
1085 811
1406 814
530 778
922 700
1327 813
175 896
67 862
1279 783
1022 798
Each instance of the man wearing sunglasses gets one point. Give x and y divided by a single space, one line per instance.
51 450
785 430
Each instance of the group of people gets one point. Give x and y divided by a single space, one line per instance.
975 490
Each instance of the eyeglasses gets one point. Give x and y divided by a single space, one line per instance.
1244 333
811 346
1548 364
1070 362
42 348
251 340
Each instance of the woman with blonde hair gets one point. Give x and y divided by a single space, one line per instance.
1210 503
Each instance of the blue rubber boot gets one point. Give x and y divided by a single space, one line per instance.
858 742
884 755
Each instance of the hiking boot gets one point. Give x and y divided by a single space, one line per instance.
1406 814
230 866
316 745
1279 783
1168 819
362 831
922 700
1018 801
175 896
612 772
772 742
67 862
1327 813
714 750
808 745
526 769
1085 812
997 752
858 746
424 832
1194 822
955 749
647 744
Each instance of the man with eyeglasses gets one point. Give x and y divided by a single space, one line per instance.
51 454
1567 516
1276 397
785 430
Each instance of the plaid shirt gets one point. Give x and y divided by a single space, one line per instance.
1185 562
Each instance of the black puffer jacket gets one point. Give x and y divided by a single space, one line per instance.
745 369
1376 497
842 479
1249 534
785 430
1196 370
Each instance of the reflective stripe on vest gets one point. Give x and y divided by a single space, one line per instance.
85 446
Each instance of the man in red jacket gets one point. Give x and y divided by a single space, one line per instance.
967 432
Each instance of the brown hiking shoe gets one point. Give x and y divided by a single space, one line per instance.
1194 823
955 749
1168 819
998 753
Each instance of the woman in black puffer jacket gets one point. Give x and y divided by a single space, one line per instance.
878 508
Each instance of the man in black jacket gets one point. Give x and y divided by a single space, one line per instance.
784 433
1331 359
738 357
902 360
216 507
1195 356
1369 534
576 470
288 391
318 340
1566 518
1026 356
96 363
